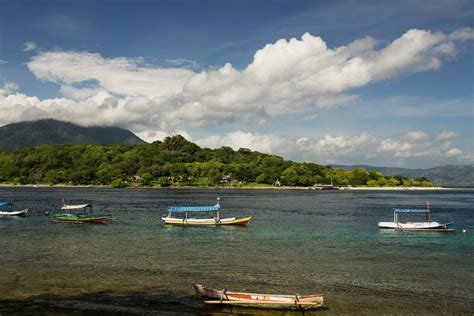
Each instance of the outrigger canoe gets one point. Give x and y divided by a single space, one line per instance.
428 225
271 301
83 214
10 211
185 220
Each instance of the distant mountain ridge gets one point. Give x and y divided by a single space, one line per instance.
448 175
53 132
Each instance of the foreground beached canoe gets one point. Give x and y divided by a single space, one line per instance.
8 210
253 300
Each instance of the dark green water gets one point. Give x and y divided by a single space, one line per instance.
299 241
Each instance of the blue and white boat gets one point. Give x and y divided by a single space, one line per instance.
216 220
428 225
6 209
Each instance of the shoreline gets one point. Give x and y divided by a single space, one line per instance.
361 188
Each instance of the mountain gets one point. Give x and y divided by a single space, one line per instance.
30 134
448 175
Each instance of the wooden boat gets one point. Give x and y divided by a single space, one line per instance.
9 211
272 301
416 226
170 219
79 214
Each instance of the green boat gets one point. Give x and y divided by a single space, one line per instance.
79 214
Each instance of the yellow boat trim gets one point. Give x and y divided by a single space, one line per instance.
210 223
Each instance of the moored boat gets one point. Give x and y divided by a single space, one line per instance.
216 220
428 225
253 300
79 214
7 210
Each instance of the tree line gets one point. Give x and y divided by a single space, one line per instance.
175 162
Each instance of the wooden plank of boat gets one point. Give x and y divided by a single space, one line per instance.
417 226
262 302
80 220
439 229
207 221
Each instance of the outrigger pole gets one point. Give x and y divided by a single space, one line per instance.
428 208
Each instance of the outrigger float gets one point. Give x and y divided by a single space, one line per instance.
79 214
170 219
252 300
416 226
9 211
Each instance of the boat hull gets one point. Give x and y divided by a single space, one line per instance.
80 219
417 226
14 213
206 221
253 300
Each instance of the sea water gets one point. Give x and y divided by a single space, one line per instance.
299 241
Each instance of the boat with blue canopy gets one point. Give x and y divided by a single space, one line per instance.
428 225
7 209
172 218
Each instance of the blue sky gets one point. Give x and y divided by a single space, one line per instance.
373 82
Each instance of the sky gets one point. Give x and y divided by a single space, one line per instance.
385 83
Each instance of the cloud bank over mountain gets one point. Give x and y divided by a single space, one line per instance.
289 76
339 148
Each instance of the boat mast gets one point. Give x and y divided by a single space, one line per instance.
218 206
428 208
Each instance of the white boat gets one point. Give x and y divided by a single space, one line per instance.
10 211
428 225
216 220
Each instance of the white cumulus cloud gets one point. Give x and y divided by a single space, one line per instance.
333 149
445 135
296 75
299 76
8 88
452 152
28 46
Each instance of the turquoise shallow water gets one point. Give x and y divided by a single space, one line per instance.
299 241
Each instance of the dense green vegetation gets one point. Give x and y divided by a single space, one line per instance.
176 162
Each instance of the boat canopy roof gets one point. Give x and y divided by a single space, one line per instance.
409 210
75 207
3 203
212 208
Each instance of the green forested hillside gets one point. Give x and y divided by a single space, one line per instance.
29 134
175 161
